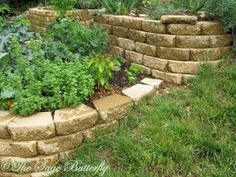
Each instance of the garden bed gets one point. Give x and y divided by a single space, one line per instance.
50 137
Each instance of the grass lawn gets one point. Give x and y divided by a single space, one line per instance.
184 133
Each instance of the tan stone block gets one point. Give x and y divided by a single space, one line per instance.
134 57
184 29
72 120
116 51
146 49
5 118
116 20
161 40
135 35
112 107
100 128
105 27
35 127
138 92
126 43
59 144
173 53
205 54
179 19
220 40
8 174
192 41
155 63
18 149
133 22
113 40
169 77
145 70
119 31
102 18
33 164
184 67
154 26
211 28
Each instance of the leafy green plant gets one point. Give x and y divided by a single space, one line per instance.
4 8
63 5
120 7
8 31
132 73
191 6
103 68
38 84
78 38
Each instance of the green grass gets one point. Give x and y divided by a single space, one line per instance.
185 133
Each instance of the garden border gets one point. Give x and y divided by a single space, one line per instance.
48 137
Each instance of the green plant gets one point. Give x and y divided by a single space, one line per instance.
132 73
223 11
63 5
4 8
78 38
88 4
191 6
120 7
30 86
103 68
8 31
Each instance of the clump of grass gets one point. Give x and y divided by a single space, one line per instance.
185 133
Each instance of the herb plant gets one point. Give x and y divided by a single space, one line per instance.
132 73
63 5
103 68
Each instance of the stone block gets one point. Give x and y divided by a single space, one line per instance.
134 57
155 63
133 22
179 19
102 18
59 144
184 29
184 67
169 77
18 149
220 40
116 20
71 120
5 118
192 41
112 107
138 36
146 49
173 53
113 40
138 91
161 40
35 127
205 54
106 27
119 31
154 26
211 28
116 51
153 82
126 44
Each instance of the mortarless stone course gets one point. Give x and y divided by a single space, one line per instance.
146 49
138 36
161 39
184 67
155 63
126 44
120 31
112 107
173 53
192 41
72 120
184 29
179 19
134 57
154 26
36 127
138 91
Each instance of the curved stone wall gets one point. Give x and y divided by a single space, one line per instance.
41 18
171 49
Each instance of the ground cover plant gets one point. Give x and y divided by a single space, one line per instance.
183 133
